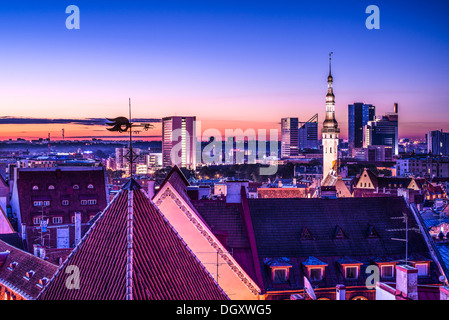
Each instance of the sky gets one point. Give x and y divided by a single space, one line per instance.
232 64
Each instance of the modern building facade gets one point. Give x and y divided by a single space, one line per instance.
289 137
438 143
179 142
330 131
383 131
358 116
308 133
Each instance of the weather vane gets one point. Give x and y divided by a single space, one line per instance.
123 124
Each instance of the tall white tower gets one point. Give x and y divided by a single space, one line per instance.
330 131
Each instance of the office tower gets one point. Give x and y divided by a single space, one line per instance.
179 136
289 137
438 143
383 131
358 116
308 133
330 131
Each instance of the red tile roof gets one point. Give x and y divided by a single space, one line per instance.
14 279
163 267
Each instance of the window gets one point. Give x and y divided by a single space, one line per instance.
90 186
387 271
83 202
37 220
65 202
316 274
93 201
51 187
351 272
37 203
12 266
57 220
46 203
75 186
35 187
279 275
422 269
29 274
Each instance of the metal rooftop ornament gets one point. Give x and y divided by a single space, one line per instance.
123 124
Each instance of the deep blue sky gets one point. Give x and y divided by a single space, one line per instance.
225 60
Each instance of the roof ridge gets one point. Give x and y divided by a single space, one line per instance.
129 245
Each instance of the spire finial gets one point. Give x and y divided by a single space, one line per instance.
330 58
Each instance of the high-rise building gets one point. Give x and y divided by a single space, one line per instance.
330 131
358 116
179 142
289 137
308 133
383 131
438 143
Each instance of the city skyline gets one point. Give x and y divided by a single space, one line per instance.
231 65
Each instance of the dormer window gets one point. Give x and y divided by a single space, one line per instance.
42 282
280 269
12 266
387 271
315 268
350 267
306 235
35 187
51 187
76 187
423 269
29 274
316 274
351 272
90 186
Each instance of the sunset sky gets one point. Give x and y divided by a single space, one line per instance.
233 64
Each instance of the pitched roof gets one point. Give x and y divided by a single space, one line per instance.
157 264
14 278
279 223
5 225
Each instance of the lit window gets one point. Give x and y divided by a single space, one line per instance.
35 187
279 275
92 201
422 269
316 274
37 203
65 202
387 271
37 220
51 187
83 202
90 186
46 203
29 274
351 272
57 220
75 186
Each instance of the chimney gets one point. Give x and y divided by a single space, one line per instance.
341 292
279 184
77 227
294 181
24 234
151 184
444 292
234 191
407 282
395 109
